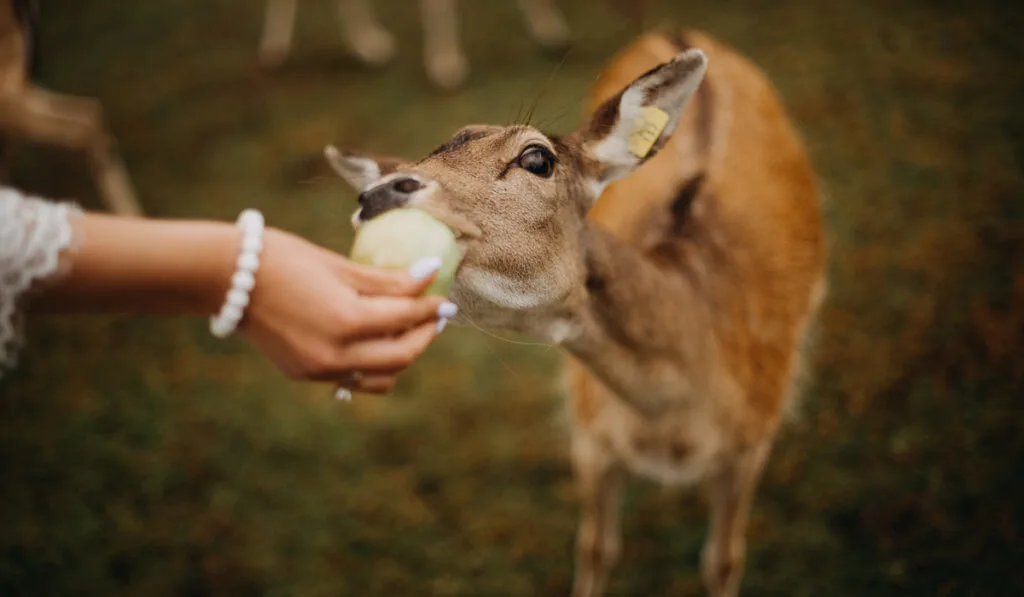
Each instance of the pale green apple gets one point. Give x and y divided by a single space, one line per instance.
399 238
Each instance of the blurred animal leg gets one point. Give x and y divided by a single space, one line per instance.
446 64
369 40
600 480
278 28
75 123
546 23
112 178
731 494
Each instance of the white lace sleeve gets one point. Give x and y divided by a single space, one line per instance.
33 233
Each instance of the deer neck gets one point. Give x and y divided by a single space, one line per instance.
636 325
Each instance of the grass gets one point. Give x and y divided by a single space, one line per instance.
141 457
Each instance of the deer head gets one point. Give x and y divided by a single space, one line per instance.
516 198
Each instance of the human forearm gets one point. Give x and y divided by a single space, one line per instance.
312 312
137 266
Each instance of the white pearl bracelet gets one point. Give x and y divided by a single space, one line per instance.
226 322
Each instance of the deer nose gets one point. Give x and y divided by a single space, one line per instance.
381 198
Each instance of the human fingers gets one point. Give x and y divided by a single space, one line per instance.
390 353
378 281
387 315
380 354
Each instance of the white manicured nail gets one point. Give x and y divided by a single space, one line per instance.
343 394
447 310
424 267
440 324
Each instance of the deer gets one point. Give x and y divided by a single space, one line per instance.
677 256
446 63
32 113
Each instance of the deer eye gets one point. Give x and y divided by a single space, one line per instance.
538 161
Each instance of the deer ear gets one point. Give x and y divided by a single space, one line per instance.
634 125
360 171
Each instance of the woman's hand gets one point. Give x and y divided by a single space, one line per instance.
319 316
313 313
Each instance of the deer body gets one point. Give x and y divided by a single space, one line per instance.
746 275
683 297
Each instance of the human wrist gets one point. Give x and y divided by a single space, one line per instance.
190 262
251 226
213 278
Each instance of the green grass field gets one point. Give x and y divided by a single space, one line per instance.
142 457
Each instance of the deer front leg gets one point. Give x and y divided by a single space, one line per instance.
546 23
369 40
75 123
278 27
446 64
600 479
731 495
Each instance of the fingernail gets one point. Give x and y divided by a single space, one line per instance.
343 394
440 324
447 310
424 267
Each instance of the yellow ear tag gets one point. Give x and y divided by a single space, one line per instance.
648 127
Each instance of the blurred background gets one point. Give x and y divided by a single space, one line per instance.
143 457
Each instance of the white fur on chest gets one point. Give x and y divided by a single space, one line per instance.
680 449
507 293
678 457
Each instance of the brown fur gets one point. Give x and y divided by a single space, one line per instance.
751 251
683 297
